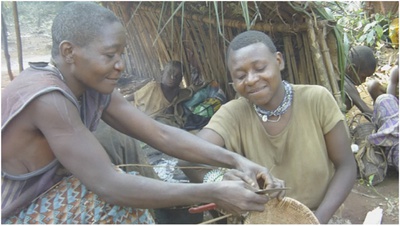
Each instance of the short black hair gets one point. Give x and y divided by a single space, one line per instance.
362 59
247 38
174 68
79 23
174 65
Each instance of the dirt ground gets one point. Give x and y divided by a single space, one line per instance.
354 210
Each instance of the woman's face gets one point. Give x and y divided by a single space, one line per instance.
256 74
99 65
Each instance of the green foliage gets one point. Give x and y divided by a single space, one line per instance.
360 28
34 16
370 179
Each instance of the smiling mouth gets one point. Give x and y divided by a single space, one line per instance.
256 90
113 79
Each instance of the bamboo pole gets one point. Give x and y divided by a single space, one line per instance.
328 63
317 56
302 59
287 46
309 62
333 51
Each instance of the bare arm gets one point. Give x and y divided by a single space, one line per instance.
79 151
264 178
355 96
173 141
393 81
339 151
179 143
197 175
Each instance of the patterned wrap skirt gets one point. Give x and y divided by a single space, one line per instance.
70 202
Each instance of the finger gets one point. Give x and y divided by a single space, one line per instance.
264 180
283 192
242 176
230 175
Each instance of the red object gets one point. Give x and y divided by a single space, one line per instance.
203 208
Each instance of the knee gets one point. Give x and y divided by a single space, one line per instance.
373 86
374 89
387 98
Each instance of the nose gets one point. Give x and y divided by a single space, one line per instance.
252 78
120 64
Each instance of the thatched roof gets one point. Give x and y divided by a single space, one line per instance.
198 33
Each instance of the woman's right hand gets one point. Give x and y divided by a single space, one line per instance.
237 197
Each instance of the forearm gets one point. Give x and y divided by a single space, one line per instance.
195 172
391 89
364 108
338 190
194 149
147 193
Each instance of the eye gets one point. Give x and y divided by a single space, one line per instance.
260 68
240 76
110 55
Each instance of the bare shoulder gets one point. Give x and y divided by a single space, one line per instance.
53 109
25 145
394 74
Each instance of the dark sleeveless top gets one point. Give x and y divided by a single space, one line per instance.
18 191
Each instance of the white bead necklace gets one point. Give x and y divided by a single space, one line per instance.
281 109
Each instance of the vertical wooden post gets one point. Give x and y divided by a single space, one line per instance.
317 56
18 36
5 46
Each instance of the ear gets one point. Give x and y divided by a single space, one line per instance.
66 51
281 61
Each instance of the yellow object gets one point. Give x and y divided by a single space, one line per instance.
394 32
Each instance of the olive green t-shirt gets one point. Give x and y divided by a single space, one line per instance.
298 155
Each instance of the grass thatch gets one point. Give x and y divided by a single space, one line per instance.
197 34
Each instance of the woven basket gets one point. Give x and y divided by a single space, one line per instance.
360 130
287 211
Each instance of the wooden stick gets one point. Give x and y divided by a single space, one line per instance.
309 62
329 66
302 58
216 219
287 46
317 56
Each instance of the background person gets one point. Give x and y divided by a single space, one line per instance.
361 65
386 119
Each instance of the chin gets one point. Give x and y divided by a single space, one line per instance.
106 90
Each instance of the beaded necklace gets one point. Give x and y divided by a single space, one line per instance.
281 109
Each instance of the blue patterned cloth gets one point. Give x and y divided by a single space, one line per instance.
70 202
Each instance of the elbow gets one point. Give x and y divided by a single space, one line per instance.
349 166
109 191
106 194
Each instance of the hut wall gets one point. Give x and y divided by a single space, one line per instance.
156 38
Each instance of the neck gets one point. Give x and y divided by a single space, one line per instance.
276 100
75 86
169 92
282 107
